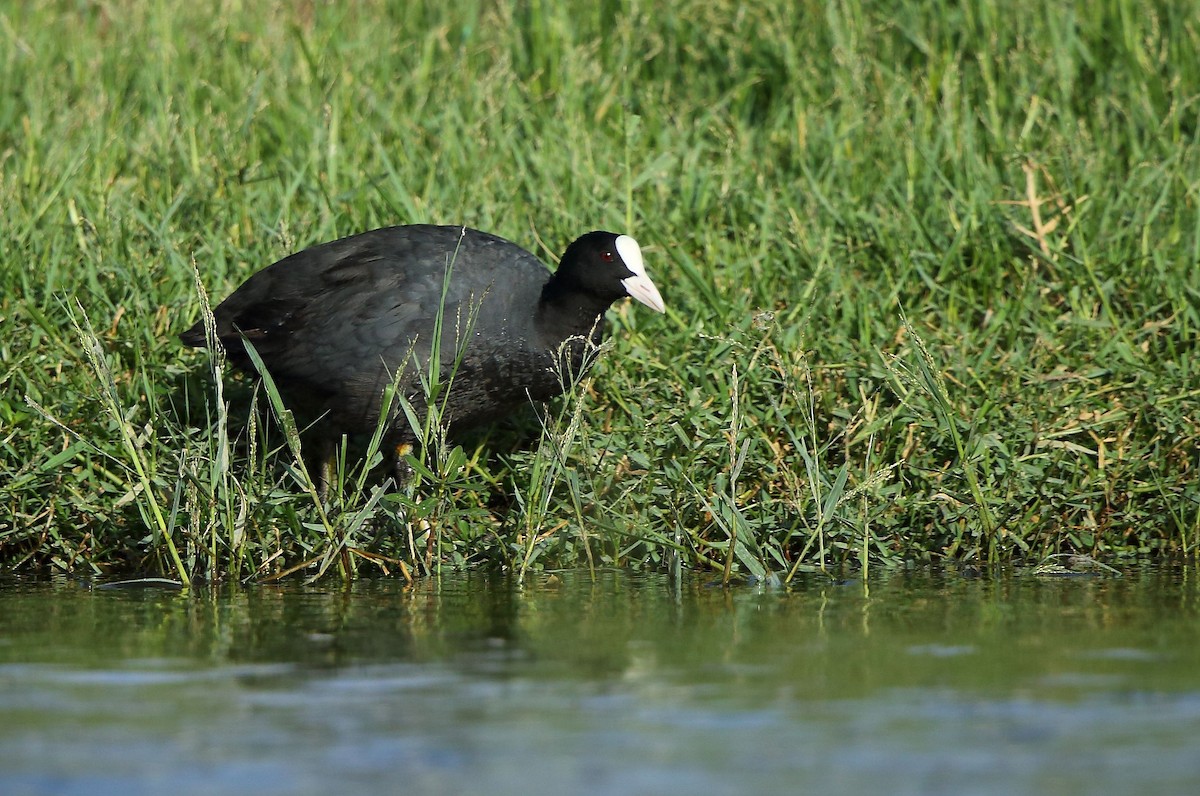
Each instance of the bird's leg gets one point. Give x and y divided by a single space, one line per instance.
326 454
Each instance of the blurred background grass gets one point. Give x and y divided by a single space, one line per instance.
930 267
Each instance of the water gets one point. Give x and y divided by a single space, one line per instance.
619 685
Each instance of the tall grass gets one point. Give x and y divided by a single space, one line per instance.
930 271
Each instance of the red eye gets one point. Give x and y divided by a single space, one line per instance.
606 256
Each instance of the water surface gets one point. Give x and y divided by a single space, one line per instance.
911 683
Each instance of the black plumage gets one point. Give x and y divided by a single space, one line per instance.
337 323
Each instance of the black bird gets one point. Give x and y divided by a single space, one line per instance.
337 323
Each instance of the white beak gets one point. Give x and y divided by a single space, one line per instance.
639 285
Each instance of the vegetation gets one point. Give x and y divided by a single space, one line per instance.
930 268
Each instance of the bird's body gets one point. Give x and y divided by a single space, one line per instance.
338 323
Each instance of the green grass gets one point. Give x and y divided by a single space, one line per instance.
931 271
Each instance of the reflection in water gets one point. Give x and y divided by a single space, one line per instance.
616 684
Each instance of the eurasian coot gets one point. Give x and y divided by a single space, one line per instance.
337 323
